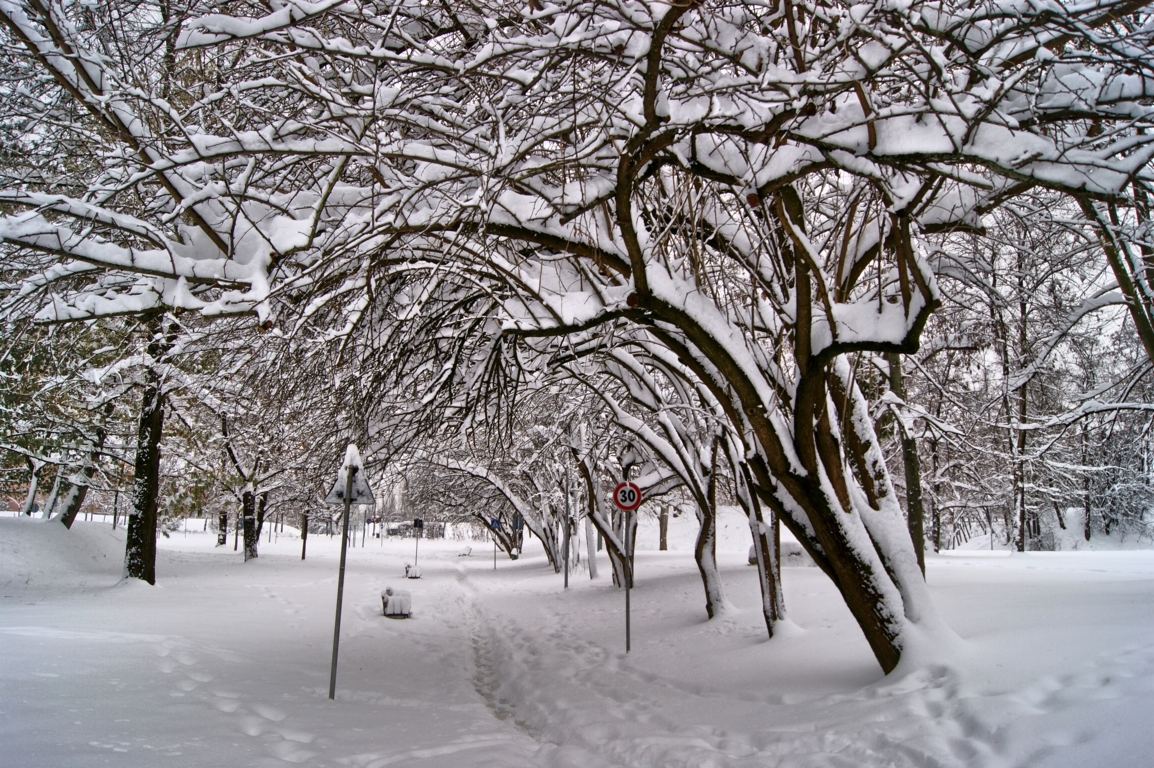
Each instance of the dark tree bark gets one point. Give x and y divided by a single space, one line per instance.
304 533
140 549
251 532
663 521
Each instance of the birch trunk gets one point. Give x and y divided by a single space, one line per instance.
34 466
591 547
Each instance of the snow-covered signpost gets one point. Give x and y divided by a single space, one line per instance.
418 529
495 524
351 487
627 497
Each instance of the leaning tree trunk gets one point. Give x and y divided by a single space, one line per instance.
34 466
845 520
53 495
140 548
1131 270
77 492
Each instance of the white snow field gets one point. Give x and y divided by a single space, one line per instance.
225 663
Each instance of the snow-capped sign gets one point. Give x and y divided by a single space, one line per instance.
361 492
627 496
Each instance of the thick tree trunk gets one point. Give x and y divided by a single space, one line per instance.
74 498
663 522
140 548
849 522
304 533
222 528
248 517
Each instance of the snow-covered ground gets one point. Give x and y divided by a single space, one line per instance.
225 663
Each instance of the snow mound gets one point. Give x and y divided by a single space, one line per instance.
40 553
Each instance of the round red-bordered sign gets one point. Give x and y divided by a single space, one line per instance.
627 496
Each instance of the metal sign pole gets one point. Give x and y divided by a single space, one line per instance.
627 497
341 580
495 525
628 579
566 530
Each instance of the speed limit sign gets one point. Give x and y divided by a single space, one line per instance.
627 496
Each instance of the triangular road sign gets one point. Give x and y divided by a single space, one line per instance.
362 493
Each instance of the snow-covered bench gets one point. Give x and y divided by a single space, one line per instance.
397 603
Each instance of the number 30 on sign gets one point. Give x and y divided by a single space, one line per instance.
627 496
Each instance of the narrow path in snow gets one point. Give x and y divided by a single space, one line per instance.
486 668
